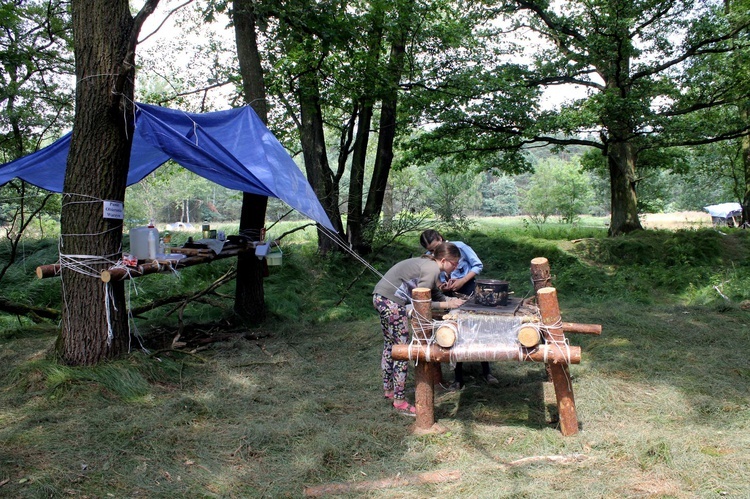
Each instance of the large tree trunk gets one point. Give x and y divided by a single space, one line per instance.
355 224
386 135
318 170
94 317
745 113
249 298
623 182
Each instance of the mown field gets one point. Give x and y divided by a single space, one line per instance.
663 395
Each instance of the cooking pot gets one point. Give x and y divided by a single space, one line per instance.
491 292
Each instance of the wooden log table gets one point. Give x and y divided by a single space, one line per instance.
514 334
167 263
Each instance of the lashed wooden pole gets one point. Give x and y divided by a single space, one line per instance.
575 327
435 354
549 309
423 374
48 270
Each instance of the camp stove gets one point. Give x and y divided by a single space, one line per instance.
491 296
491 293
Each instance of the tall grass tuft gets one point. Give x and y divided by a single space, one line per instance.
127 379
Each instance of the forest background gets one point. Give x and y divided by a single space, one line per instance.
545 180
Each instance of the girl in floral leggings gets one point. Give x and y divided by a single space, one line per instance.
395 332
390 297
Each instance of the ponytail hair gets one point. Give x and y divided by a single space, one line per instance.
445 250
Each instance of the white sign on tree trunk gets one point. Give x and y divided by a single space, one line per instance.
114 210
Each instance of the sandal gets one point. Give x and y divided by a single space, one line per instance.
388 394
405 408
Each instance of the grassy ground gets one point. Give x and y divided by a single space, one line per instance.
662 396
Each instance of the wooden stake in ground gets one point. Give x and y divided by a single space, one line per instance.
540 277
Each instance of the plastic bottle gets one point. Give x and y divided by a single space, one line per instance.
167 240
152 244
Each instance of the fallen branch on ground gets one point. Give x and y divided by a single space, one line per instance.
399 481
224 337
722 294
231 274
36 314
431 476
568 459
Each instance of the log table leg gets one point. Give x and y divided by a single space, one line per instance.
560 375
541 278
540 274
425 372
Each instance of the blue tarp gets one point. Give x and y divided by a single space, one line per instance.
232 148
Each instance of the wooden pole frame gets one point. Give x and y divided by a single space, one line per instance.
555 352
145 267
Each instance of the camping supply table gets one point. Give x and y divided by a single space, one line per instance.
178 259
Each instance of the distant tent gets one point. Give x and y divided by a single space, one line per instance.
729 214
232 148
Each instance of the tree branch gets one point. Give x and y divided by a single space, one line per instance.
128 62
196 91
698 48
36 314
169 14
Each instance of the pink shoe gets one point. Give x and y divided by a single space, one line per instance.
388 394
405 408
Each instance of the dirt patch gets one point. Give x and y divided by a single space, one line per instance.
199 335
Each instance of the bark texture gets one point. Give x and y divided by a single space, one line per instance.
560 374
745 146
424 377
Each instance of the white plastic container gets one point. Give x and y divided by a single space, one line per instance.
144 242
274 257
